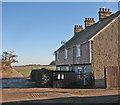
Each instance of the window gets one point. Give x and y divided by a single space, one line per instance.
58 68
78 51
80 72
67 68
65 53
61 68
71 68
57 56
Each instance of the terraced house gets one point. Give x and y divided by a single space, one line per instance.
92 48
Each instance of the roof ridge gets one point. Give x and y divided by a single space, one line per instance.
89 32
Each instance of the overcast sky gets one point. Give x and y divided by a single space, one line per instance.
34 30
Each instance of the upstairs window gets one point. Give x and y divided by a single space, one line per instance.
78 51
57 56
65 53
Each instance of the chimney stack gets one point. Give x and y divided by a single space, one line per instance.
103 13
77 28
89 22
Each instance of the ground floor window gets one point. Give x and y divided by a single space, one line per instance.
58 68
63 68
67 68
71 68
82 73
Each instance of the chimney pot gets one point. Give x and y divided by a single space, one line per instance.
89 22
77 29
104 13
103 9
100 9
106 9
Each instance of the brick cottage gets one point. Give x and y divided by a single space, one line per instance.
92 48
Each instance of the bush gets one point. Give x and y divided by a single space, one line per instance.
45 80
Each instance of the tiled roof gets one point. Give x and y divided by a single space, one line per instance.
89 32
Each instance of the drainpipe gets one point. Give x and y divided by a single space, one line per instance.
118 77
73 59
90 45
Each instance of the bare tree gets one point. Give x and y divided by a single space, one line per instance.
8 58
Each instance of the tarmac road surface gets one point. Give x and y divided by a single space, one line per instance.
22 90
50 95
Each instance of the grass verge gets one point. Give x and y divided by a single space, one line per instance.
26 70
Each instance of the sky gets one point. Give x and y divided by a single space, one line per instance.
34 30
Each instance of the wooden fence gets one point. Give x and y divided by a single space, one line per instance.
112 77
56 79
64 79
60 79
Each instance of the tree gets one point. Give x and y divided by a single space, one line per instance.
8 58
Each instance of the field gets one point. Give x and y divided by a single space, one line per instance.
26 70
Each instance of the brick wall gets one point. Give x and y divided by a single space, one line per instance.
105 50
62 60
83 59
119 41
84 54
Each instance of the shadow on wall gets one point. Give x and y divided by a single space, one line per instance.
100 83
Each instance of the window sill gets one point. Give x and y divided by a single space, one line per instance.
66 59
78 57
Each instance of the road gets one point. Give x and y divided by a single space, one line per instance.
50 95
22 90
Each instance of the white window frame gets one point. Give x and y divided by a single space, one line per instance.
57 56
78 51
66 53
67 68
58 68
